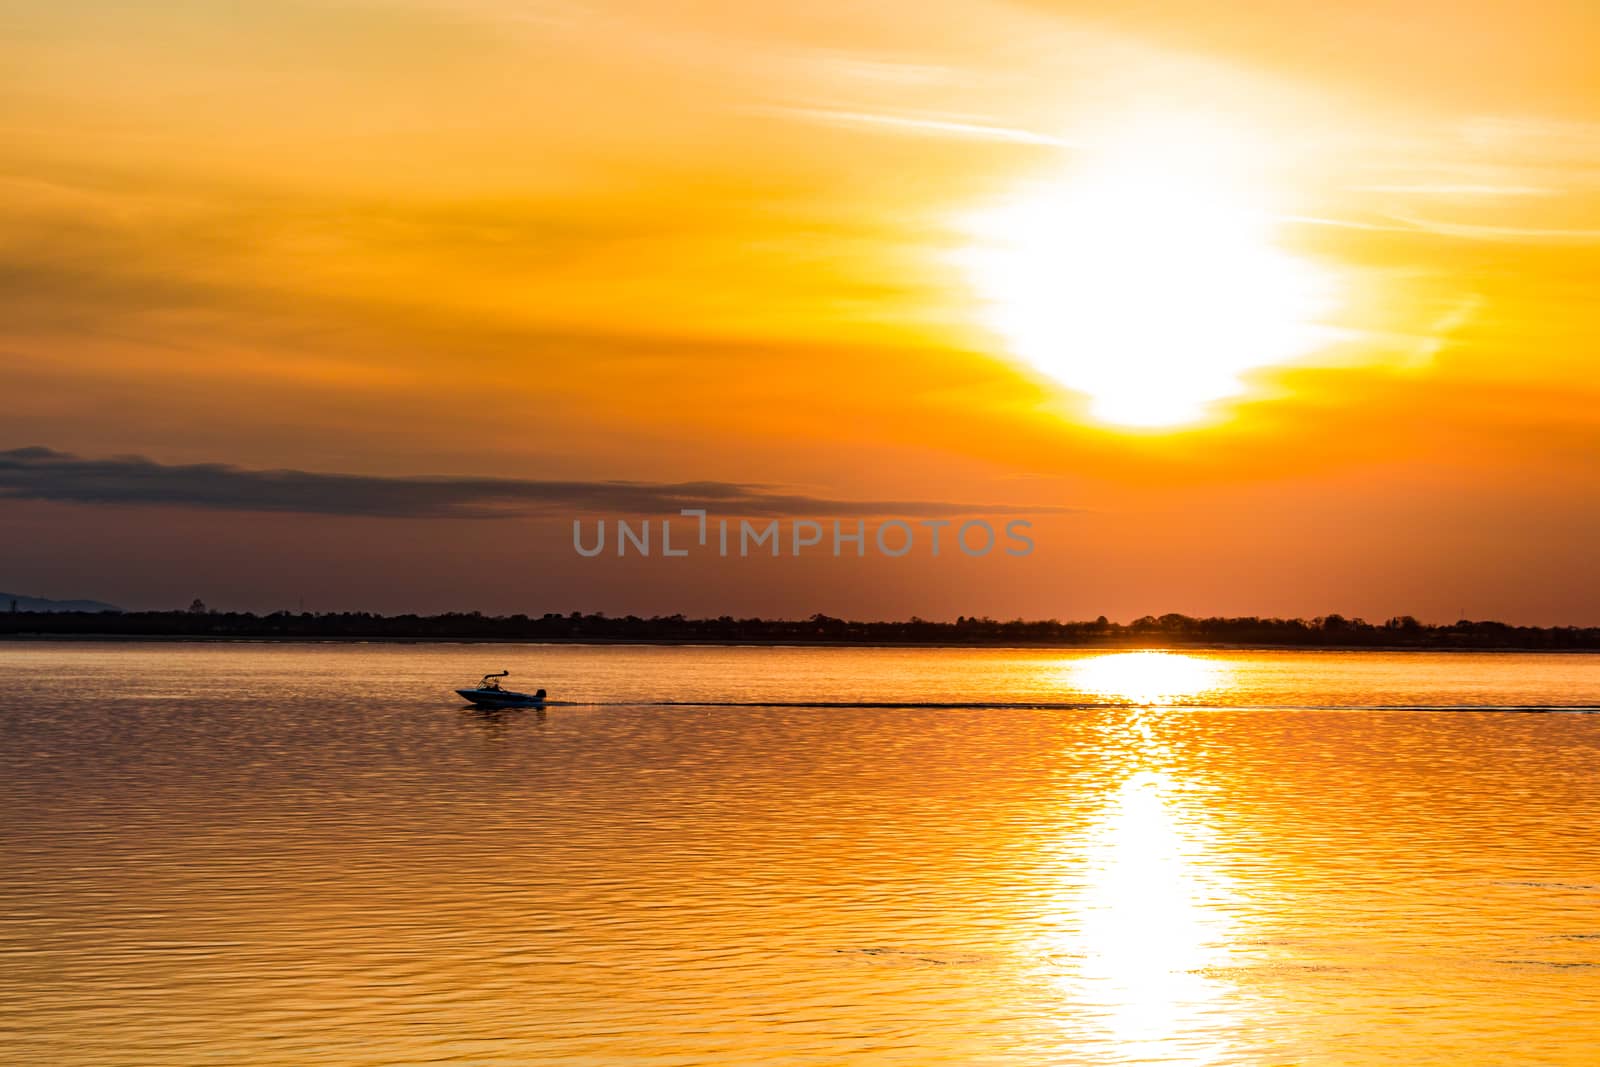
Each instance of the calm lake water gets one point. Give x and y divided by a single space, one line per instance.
312 854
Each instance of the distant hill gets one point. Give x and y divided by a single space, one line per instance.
39 603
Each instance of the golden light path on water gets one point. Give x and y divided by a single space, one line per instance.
1142 908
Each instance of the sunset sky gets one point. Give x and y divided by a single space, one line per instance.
1278 309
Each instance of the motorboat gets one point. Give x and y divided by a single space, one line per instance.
490 694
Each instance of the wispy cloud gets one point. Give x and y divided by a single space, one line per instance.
921 125
1501 233
1576 141
1464 231
1463 189
38 473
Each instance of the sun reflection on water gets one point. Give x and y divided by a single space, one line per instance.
1144 917
1147 677
1142 920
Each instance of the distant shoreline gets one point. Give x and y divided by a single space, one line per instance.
1329 632
665 642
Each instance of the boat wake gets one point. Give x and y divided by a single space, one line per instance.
1031 705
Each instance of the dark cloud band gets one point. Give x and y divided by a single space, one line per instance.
38 473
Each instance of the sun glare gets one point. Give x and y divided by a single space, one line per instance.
1145 275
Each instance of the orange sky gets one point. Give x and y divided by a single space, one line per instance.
1337 262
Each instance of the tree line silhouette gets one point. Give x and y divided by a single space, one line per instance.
1324 631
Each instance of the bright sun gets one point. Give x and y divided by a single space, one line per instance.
1145 276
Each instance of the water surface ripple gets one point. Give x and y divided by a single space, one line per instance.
313 855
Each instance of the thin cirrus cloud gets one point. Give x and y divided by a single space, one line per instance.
39 473
925 125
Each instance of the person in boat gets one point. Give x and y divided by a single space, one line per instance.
492 681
